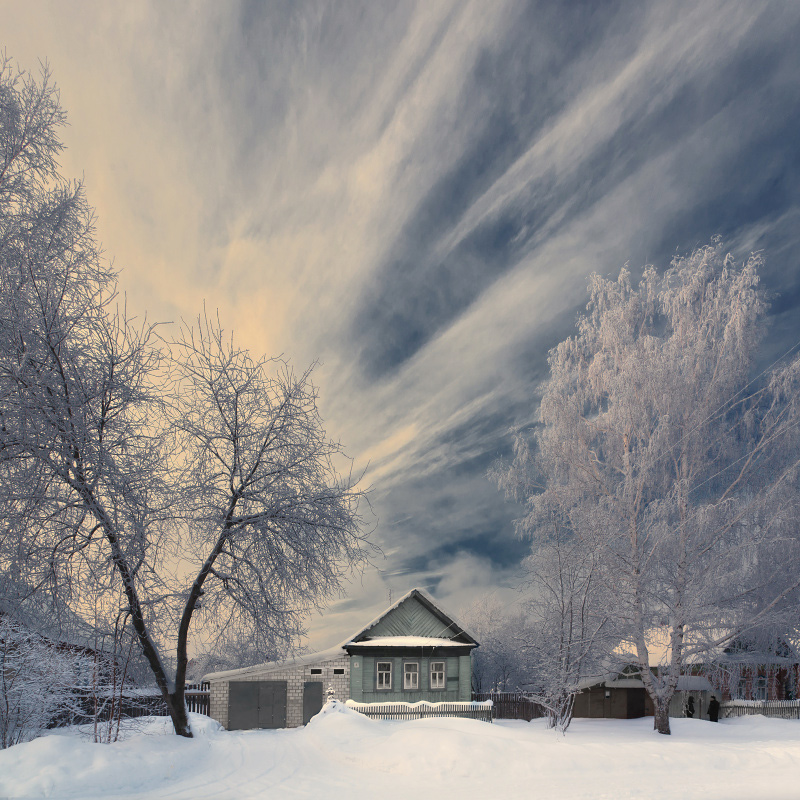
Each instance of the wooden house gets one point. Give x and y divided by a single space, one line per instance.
744 670
413 651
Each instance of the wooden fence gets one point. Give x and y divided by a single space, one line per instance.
197 698
783 709
423 710
511 705
130 704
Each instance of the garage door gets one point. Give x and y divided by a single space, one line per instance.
256 704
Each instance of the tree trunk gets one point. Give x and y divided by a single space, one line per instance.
661 716
177 711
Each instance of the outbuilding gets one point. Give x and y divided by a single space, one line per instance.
412 651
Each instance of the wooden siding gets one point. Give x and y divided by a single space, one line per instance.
455 678
620 704
465 678
411 618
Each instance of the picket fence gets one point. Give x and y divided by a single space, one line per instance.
782 709
511 705
407 711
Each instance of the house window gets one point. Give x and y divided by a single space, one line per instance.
741 690
384 676
438 675
316 670
790 686
411 675
760 689
338 671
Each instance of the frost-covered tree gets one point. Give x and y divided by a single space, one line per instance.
41 682
193 477
498 665
569 629
671 466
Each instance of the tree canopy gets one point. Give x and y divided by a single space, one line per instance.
663 457
186 475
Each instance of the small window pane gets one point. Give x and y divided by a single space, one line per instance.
411 675
384 680
437 675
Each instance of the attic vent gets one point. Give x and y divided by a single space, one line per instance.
316 671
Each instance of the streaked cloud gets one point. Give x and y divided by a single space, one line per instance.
415 193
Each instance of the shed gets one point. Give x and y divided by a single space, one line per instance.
412 651
623 696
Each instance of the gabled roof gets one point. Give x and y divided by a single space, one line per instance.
451 628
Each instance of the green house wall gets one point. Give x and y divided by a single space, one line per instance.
363 679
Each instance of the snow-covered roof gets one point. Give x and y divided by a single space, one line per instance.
624 683
275 666
407 641
694 683
686 683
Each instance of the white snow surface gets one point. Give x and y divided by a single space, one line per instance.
342 754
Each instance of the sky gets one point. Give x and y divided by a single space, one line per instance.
413 195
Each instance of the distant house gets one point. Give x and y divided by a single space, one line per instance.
744 670
740 670
413 651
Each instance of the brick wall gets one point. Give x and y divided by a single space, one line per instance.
295 677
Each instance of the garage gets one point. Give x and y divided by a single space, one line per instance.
256 704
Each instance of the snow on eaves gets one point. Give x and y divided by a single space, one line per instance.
408 641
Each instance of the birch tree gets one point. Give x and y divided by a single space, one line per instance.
200 476
569 628
670 464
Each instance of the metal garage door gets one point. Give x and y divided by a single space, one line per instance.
256 704
312 699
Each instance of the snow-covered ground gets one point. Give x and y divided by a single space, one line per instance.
341 754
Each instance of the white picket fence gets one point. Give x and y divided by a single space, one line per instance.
782 709
423 709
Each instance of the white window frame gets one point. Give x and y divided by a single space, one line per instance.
406 675
381 685
741 689
443 672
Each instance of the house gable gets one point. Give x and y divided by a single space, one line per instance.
415 614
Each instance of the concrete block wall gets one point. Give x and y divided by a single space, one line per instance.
295 677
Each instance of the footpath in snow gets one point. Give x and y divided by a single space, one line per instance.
341 754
